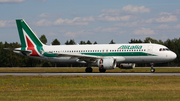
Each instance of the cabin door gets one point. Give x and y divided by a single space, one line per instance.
150 49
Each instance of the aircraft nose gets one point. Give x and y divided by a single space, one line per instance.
173 55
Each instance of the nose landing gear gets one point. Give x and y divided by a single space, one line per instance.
152 69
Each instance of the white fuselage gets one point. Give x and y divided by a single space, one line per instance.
129 53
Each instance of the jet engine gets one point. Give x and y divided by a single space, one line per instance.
107 63
127 65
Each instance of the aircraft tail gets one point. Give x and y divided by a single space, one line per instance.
29 40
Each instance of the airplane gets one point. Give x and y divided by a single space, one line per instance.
105 56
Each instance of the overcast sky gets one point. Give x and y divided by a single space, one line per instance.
94 20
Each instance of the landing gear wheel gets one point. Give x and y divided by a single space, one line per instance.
102 70
89 70
152 70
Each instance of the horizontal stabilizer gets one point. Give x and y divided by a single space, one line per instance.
23 51
8 49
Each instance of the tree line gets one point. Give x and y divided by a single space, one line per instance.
10 59
70 42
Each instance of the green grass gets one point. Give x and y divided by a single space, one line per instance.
77 88
75 69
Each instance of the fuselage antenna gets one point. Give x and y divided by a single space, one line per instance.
150 41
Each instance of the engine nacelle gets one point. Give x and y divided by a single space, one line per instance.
127 65
107 63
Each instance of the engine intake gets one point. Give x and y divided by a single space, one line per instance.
107 63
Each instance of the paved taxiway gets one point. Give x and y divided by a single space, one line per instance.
90 74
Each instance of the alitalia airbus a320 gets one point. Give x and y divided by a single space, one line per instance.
105 56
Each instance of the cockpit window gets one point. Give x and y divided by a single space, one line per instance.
167 49
164 49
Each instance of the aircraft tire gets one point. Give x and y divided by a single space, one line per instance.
102 70
152 70
88 70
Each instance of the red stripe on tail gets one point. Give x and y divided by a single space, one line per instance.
31 47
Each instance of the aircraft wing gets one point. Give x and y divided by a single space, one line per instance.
77 55
81 57
87 58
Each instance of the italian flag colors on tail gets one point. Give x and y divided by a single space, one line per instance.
29 40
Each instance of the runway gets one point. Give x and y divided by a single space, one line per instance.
89 74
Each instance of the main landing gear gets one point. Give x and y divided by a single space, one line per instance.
88 69
102 70
152 69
